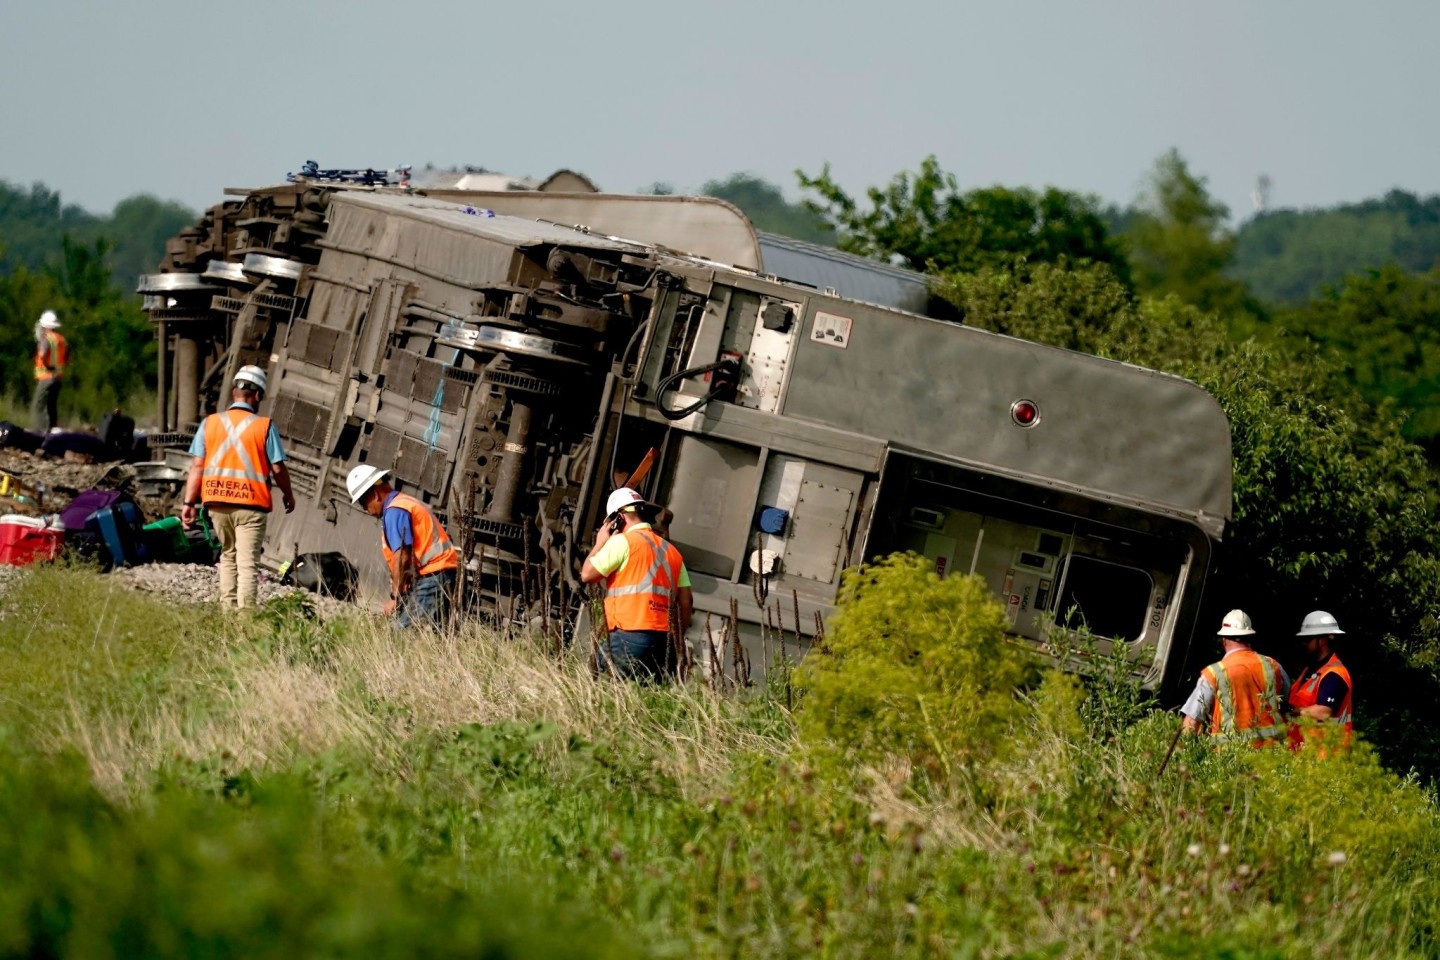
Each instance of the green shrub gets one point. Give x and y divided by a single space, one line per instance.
192 877
1113 697
914 665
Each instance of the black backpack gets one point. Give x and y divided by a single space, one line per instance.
328 574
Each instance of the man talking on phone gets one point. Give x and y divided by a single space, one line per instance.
646 583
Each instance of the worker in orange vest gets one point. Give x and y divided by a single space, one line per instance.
238 458
423 564
1242 696
1323 693
646 584
52 354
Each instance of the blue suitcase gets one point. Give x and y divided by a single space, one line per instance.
120 531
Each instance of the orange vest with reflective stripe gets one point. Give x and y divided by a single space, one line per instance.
1307 691
432 548
639 595
51 362
236 469
1247 697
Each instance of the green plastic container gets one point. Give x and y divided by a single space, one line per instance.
169 541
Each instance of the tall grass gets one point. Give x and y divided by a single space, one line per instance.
275 784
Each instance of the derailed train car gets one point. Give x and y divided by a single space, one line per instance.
511 372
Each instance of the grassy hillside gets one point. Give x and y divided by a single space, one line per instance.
191 784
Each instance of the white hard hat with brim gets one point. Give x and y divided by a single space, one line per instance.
625 497
361 479
1320 624
1236 624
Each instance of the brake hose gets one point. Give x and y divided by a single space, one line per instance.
718 387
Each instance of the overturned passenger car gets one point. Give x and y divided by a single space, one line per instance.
511 370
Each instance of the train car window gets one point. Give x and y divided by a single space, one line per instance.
1109 598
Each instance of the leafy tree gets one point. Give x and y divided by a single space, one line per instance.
1288 256
768 209
24 295
139 226
1178 240
923 220
112 358
1384 328
1072 306
34 224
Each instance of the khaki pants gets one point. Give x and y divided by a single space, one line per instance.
241 531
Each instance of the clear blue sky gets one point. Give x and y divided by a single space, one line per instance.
1333 100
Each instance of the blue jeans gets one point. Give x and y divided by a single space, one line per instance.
636 654
429 601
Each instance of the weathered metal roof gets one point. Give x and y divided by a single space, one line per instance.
852 277
498 227
700 226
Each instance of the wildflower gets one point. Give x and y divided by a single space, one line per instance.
1243 870
1193 850
1224 849
1336 858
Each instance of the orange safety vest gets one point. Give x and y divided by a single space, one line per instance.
638 596
432 548
1247 698
1307 691
236 469
52 353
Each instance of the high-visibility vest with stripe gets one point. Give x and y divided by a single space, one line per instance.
639 595
236 469
1247 697
1307 691
432 548
52 353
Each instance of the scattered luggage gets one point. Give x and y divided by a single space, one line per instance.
73 517
81 445
169 542
117 433
18 438
328 574
120 531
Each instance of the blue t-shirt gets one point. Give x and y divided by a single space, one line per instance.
273 451
399 531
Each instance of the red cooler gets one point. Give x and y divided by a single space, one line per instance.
23 540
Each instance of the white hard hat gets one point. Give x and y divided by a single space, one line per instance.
1319 624
1236 624
251 374
361 479
49 321
622 498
